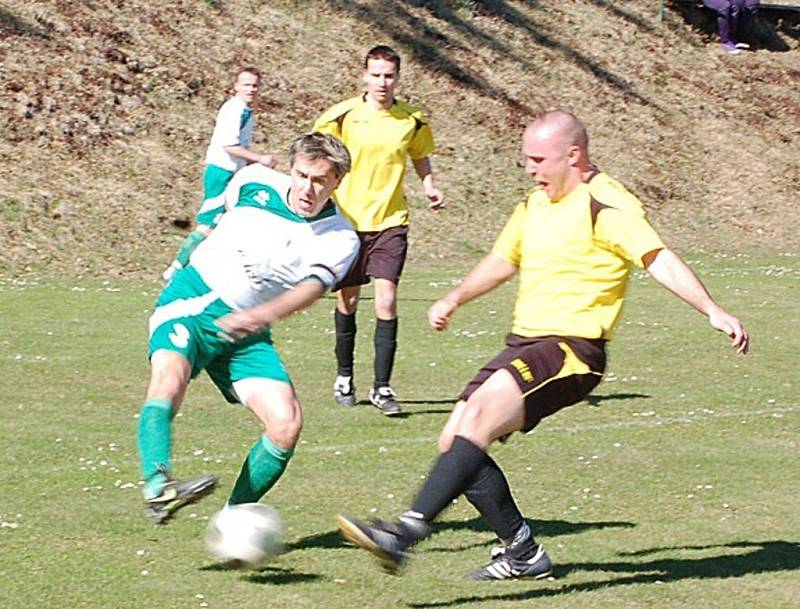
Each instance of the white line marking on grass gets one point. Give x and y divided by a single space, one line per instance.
388 443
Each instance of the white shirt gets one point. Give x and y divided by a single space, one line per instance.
261 248
234 127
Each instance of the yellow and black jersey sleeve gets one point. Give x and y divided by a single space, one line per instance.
627 234
331 120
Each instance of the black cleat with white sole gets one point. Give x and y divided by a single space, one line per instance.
505 566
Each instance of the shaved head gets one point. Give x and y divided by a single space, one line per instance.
555 145
563 127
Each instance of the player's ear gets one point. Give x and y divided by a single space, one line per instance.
573 155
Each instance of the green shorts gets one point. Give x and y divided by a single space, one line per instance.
215 180
183 322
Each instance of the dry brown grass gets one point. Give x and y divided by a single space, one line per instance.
106 109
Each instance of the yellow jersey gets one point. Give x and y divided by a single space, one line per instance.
574 257
380 142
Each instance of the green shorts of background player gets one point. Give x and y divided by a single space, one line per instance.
184 340
215 181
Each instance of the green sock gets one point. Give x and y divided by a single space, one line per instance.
261 470
155 444
189 244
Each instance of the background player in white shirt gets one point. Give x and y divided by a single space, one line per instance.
228 151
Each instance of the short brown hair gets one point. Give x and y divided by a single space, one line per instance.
383 52
321 146
247 70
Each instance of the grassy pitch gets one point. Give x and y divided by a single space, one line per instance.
674 485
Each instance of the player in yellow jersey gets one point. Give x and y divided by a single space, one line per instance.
381 133
573 243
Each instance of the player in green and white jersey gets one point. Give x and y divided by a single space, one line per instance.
279 247
228 151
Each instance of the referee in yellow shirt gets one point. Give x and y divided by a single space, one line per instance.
573 243
381 133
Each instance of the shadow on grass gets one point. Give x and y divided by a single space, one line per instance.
596 400
548 528
265 574
276 576
328 540
545 528
405 414
729 561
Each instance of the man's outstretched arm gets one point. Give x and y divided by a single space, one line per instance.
666 267
489 273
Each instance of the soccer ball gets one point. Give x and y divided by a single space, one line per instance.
248 533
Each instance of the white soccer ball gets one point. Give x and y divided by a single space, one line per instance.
248 533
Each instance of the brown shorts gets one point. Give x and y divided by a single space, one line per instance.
382 256
551 371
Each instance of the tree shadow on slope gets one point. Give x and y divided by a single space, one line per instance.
729 562
434 49
768 30
11 25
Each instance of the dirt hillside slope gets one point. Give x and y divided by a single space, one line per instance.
106 109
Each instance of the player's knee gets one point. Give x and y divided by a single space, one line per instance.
168 379
386 306
470 418
349 306
347 300
284 432
445 440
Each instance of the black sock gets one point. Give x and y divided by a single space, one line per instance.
385 347
522 546
490 494
345 342
449 477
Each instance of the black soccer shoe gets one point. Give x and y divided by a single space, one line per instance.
385 400
386 540
504 566
177 493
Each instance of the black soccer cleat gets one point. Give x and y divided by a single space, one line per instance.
385 400
177 493
386 540
505 566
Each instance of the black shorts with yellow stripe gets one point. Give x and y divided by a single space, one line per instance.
552 372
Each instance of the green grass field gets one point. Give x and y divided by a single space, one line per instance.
674 486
